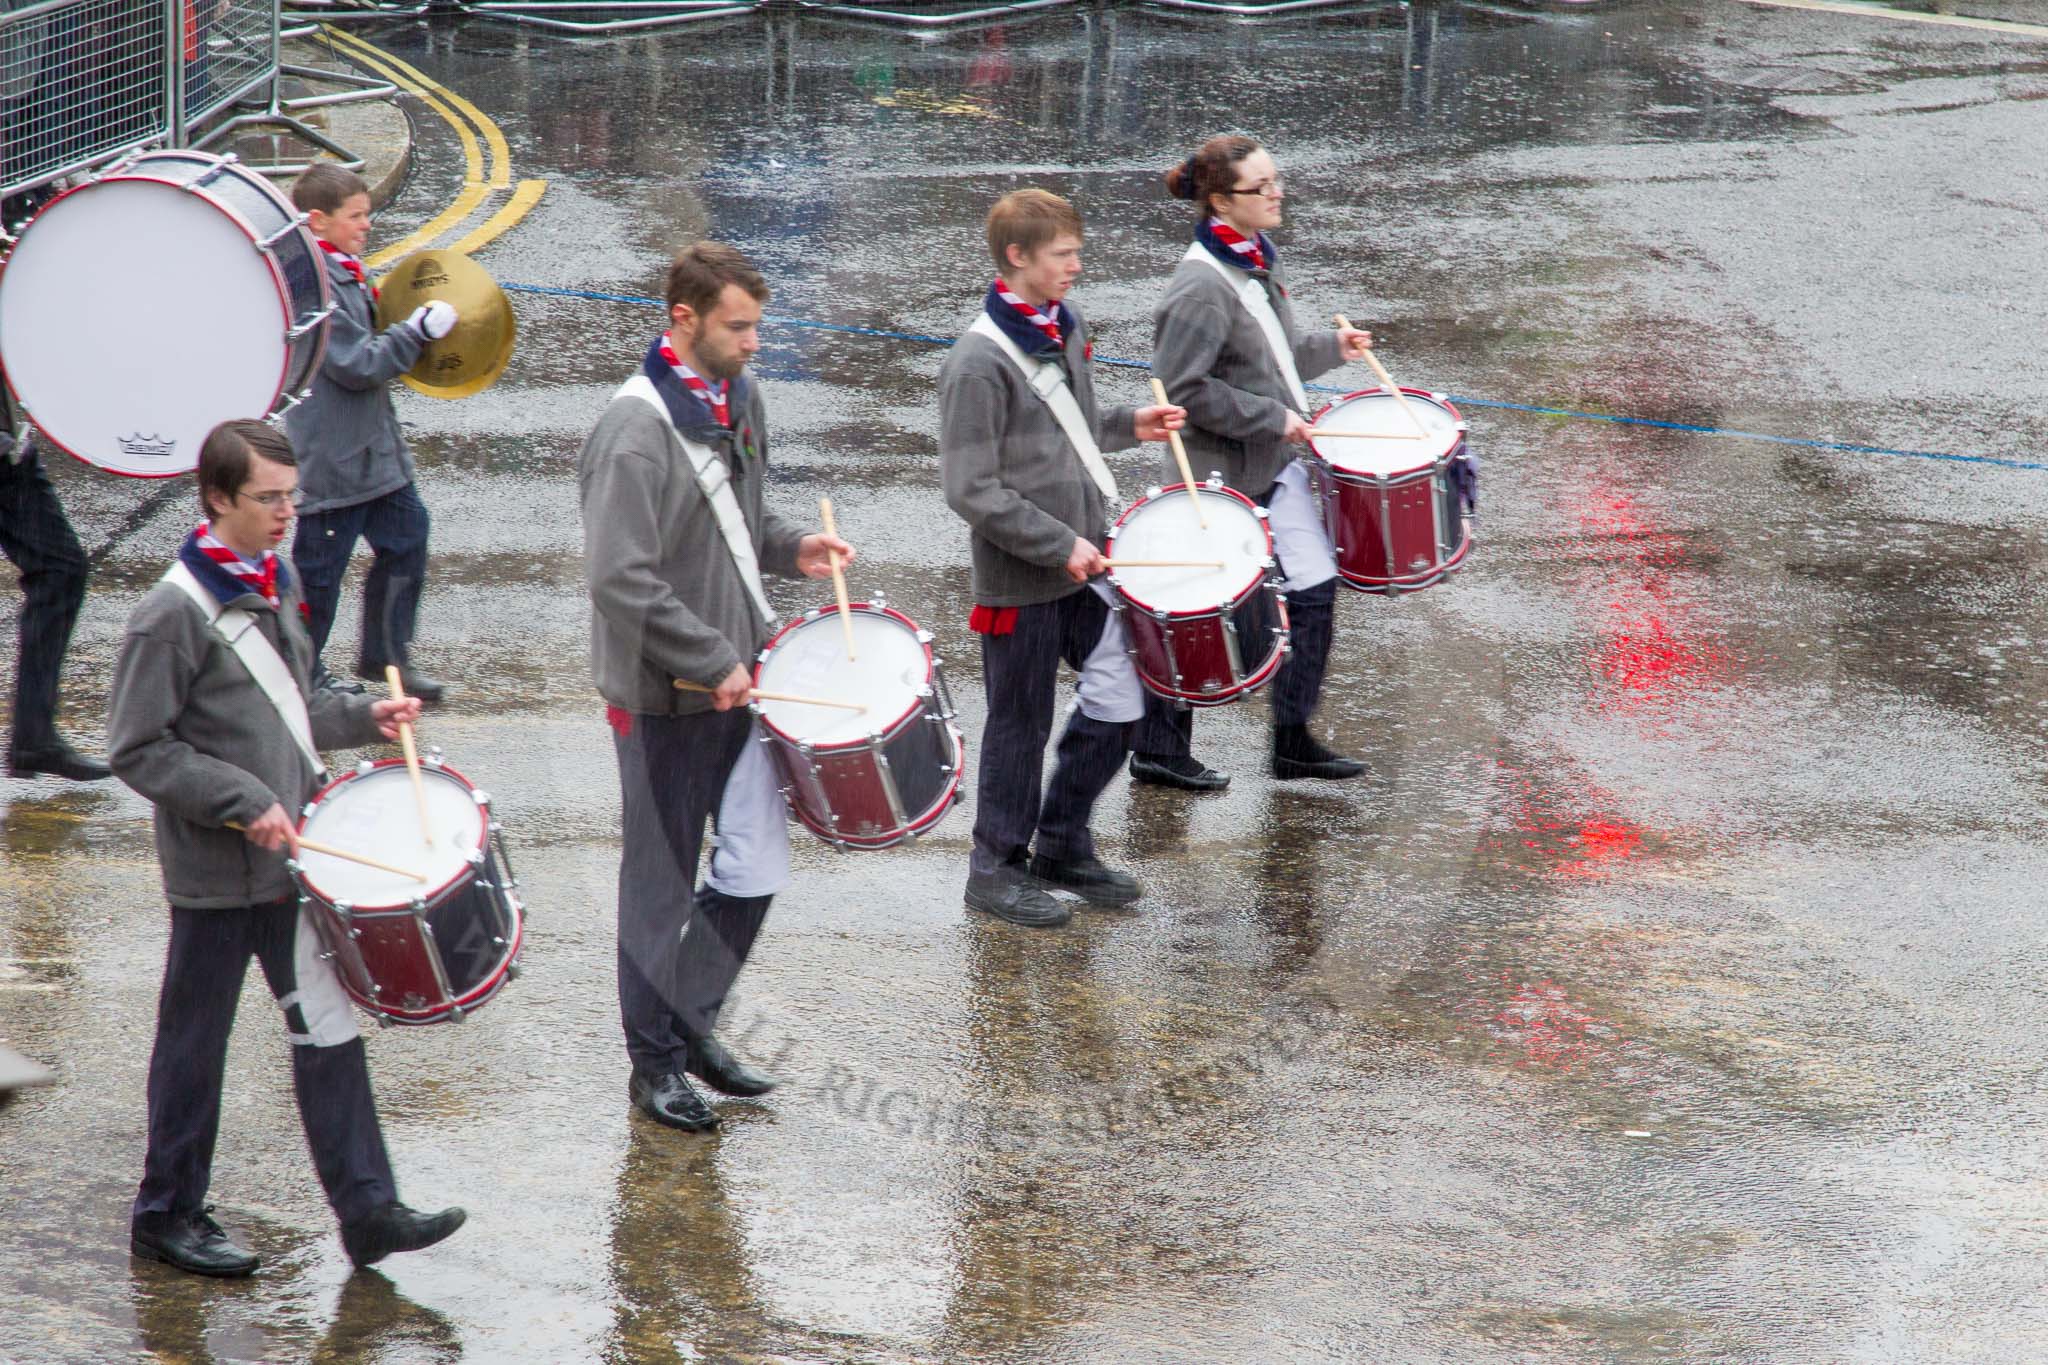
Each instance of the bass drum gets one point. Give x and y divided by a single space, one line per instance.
174 291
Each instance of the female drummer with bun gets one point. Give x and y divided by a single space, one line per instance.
1227 350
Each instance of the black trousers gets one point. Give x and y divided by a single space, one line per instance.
1020 678
35 535
1168 730
396 526
208 958
680 950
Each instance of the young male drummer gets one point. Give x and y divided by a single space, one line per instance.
1020 442
215 720
1226 348
675 537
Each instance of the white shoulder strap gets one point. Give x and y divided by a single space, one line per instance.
238 629
716 483
1050 384
1252 295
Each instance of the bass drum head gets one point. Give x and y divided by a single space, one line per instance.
809 659
1375 410
1164 526
134 317
374 814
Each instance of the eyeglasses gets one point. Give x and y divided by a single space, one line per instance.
273 501
1265 189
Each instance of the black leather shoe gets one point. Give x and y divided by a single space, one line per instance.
1297 754
1087 877
708 1060
672 1100
1010 895
1183 771
346 686
194 1244
428 690
393 1228
58 759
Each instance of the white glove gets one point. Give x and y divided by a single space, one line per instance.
433 320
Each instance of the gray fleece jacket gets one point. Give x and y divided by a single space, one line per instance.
667 600
188 728
346 433
1010 473
1213 359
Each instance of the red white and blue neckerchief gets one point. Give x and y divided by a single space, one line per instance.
716 401
227 575
1229 245
693 416
352 264
1035 333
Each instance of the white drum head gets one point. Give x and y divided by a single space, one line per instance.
135 316
1165 527
375 815
1378 412
810 661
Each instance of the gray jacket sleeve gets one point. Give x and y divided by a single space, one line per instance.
1317 353
341 720
970 439
1185 345
358 358
622 487
1116 428
151 678
779 540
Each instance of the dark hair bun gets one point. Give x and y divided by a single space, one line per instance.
1180 181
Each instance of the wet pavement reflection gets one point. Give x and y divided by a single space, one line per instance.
1666 993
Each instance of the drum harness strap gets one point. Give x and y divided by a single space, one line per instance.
238 630
1050 384
716 483
1251 292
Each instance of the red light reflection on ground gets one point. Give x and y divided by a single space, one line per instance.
1571 842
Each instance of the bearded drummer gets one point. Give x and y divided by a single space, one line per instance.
676 535
1226 348
214 718
1020 453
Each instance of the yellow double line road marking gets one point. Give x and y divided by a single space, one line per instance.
483 177
2012 26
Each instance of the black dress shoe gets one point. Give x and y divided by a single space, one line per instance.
708 1060
1008 894
419 685
1183 771
1297 754
1094 883
58 759
194 1244
393 1227
346 686
672 1100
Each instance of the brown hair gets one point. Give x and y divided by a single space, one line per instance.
700 273
324 187
230 451
1211 170
1028 219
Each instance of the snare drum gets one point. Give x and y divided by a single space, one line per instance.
861 779
1198 635
1393 514
185 241
412 952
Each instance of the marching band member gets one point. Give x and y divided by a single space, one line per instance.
1020 442
214 718
675 535
1226 348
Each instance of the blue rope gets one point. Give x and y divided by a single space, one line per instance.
1848 447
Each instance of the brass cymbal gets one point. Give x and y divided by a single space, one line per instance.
472 356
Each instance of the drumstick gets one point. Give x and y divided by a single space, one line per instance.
412 754
1388 380
1180 455
1164 563
348 857
838 576
756 694
1339 433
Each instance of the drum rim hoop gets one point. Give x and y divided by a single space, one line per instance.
1242 595
428 896
1442 404
877 737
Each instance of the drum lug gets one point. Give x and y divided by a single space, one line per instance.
483 800
924 637
432 758
879 601
308 323
364 767
1154 491
813 614
211 174
512 970
287 230
455 1013
1262 514
383 1019
1215 480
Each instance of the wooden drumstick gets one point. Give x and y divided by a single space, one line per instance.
348 857
1164 563
1388 380
838 577
756 694
412 754
1338 433
1180 455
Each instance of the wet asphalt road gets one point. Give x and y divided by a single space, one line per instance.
1670 990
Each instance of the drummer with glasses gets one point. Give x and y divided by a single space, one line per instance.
1020 453
1226 347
